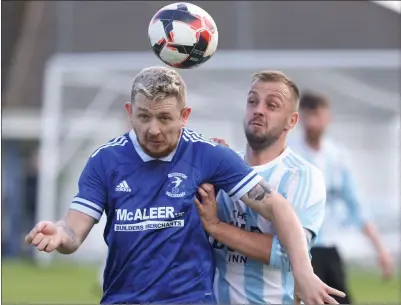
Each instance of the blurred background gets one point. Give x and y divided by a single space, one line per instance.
66 71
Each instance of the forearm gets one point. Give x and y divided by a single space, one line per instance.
291 235
374 236
251 244
69 240
275 208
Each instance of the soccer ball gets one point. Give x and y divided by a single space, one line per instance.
183 35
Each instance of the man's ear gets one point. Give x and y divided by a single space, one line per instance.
292 121
128 108
185 115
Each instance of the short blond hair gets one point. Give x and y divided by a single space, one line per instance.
278 76
158 83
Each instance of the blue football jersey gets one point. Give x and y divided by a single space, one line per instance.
157 248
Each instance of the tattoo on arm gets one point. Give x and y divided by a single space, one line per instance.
70 232
260 191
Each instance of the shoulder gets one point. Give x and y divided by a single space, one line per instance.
205 147
307 173
197 140
295 162
208 152
307 188
111 148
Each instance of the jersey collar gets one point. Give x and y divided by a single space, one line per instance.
144 156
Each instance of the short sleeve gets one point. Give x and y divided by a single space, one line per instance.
92 192
307 193
228 171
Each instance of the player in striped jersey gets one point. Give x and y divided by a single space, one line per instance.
333 160
145 182
252 265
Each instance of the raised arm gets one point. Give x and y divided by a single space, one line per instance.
268 203
255 244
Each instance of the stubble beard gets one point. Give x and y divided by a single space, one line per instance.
260 142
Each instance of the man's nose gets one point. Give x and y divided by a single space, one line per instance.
258 111
154 128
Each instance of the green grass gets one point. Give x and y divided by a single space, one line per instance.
24 282
367 287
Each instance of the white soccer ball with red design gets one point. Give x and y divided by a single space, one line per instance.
183 35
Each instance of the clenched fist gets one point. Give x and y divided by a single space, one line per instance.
45 236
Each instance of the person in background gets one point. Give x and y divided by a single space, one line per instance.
327 155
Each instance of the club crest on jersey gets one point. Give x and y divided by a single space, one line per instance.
176 185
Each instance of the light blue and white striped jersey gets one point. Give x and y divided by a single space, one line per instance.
333 160
241 280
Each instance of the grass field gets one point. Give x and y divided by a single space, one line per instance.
24 282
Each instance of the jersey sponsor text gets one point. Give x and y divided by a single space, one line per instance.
149 225
145 214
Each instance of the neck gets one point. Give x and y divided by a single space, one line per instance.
261 157
314 143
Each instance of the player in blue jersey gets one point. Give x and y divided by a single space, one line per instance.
332 159
145 182
252 266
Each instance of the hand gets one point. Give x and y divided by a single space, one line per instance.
45 236
208 207
386 264
220 141
312 291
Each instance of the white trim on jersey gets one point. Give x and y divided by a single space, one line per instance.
84 209
87 202
246 178
192 136
87 207
245 185
120 141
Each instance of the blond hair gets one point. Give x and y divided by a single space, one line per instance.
278 76
158 83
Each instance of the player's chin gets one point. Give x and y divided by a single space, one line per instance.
256 130
157 150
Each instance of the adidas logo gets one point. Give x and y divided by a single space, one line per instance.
123 187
